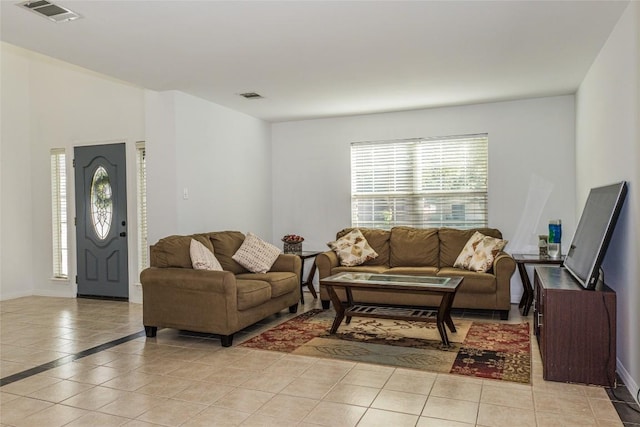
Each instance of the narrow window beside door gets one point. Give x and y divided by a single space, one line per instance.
59 213
143 248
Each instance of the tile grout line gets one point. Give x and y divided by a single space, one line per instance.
68 359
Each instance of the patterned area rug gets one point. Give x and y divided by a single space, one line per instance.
493 350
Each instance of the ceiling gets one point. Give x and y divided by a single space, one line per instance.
312 59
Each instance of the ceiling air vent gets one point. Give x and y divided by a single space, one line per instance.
49 10
251 95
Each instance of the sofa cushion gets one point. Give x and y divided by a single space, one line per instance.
377 239
352 249
174 251
281 282
202 258
425 271
225 244
255 254
378 269
480 283
453 240
252 293
414 247
479 252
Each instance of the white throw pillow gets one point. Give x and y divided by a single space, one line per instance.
353 249
202 258
255 254
479 252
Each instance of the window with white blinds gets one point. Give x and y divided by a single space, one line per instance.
422 182
59 213
143 249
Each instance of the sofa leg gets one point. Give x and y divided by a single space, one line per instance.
226 340
325 304
293 308
150 331
504 314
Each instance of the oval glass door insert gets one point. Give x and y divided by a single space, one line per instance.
101 203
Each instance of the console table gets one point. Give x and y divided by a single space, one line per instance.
575 329
521 261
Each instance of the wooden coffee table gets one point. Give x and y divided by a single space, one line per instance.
395 283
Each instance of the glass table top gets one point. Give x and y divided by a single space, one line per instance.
395 280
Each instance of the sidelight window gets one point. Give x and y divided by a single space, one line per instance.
59 213
143 248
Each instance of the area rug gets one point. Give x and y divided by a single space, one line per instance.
493 350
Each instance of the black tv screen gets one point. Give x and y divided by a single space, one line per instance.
594 232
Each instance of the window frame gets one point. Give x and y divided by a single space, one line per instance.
421 182
141 195
59 214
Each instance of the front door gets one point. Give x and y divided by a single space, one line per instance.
101 221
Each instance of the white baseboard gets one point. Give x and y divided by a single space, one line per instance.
13 295
632 386
62 293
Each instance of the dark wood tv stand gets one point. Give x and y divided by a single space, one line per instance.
575 329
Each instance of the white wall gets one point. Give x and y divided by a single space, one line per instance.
162 176
220 156
16 275
608 150
54 104
311 163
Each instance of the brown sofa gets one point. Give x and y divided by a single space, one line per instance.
217 302
406 250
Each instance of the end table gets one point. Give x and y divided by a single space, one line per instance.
304 255
521 261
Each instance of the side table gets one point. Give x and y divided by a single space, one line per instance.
304 255
521 261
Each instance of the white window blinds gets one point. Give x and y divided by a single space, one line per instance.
143 250
59 213
426 182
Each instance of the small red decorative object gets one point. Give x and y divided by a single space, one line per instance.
293 238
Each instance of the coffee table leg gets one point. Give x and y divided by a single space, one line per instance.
444 317
349 303
443 333
447 300
338 307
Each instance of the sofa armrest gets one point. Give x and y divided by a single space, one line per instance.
193 300
504 265
287 262
220 282
503 268
325 262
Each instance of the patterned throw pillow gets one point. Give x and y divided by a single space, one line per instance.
202 258
479 252
353 249
255 254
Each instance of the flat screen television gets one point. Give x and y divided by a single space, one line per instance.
594 232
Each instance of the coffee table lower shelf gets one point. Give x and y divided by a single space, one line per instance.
386 312
399 313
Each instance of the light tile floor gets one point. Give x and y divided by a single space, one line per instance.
190 380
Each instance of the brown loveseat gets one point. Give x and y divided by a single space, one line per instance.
217 302
406 250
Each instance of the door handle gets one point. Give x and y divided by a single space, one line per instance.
123 234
